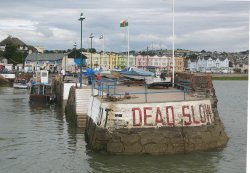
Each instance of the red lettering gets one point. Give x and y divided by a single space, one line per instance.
134 116
184 114
167 115
202 113
146 116
209 113
158 114
194 120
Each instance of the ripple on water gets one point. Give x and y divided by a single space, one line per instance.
39 139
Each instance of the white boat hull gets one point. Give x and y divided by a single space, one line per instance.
8 75
21 86
137 77
157 80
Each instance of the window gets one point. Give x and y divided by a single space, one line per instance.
44 74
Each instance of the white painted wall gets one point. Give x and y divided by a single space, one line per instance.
8 76
66 89
186 113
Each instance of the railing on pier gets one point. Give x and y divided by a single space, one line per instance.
111 88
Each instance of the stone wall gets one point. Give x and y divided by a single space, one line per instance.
58 90
164 140
155 141
70 108
201 85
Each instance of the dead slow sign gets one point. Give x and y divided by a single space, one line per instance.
173 115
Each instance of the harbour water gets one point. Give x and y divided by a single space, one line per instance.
40 139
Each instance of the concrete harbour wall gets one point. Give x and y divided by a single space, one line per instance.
158 128
163 140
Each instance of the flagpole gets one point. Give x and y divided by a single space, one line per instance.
103 49
102 37
173 48
128 45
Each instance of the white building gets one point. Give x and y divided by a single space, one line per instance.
208 63
40 49
47 61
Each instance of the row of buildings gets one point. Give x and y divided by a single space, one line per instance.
219 62
107 61
160 60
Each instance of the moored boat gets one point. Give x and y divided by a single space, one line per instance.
158 81
116 73
41 90
137 74
41 93
163 80
9 76
20 83
105 73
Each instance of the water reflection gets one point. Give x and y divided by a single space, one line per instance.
37 138
195 162
232 109
41 139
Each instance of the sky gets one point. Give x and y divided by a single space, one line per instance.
212 25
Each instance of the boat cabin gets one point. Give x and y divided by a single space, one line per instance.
41 77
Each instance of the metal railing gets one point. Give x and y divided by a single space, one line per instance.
112 87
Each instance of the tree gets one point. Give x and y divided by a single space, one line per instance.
93 50
230 64
13 55
193 56
1 53
10 52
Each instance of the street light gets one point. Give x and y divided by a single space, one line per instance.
147 57
75 55
91 37
81 62
173 47
102 37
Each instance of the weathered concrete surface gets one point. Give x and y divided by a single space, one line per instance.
77 106
58 89
166 139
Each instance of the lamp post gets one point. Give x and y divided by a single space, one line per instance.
173 47
36 61
81 61
75 55
102 37
147 57
65 64
91 37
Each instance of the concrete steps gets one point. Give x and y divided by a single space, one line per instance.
82 120
82 101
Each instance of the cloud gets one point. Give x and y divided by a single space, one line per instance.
54 24
215 39
7 24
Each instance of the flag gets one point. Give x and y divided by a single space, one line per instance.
123 23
